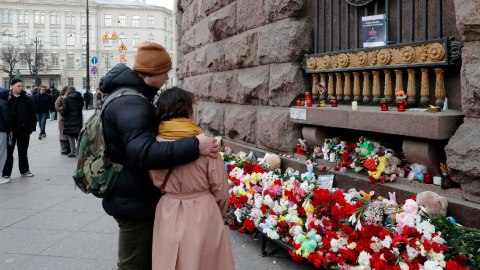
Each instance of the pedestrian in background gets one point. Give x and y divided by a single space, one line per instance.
64 143
44 105
86 98
97 99
34 92
5 128
72 113
23 124
55 94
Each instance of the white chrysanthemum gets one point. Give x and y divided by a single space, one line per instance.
427 229
395 251
404 266
439 239
268 201
292 215
364 259
387 241
412 253
438 257
277 207
238 214
316 222
431 265
258 200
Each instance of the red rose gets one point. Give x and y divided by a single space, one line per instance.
461 260
263 209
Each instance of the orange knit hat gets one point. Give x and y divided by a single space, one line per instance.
152 58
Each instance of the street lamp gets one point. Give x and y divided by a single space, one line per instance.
36 41
87 78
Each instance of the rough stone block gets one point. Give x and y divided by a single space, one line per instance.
210 116
250 14
189 17
463 162
222 24
209 58
208 7
468 20
241 123
287 81
199 85
424 152
284 41
275 131
470 79
315 136
183 4
242 51
280 9
196 37
223 86
252 86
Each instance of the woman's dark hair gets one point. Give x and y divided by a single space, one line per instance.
64 91
174 103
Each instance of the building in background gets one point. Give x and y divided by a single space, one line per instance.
59 29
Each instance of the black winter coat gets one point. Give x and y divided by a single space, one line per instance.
44 103
72 114
130 133
23 113
5 116
55 95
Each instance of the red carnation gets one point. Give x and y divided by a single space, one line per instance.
249 225
248 168
335 168
295 257
461 260
324 168
241 230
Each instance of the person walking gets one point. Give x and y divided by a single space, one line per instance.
97 99
44 105
24 122
64 143
129 136
182 240
86 98
5 128
34 92
55 94
73 119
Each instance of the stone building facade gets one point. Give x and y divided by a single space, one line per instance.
60 27
242 60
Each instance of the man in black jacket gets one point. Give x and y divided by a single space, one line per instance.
23 124
86 98
55 95
130 131
44 105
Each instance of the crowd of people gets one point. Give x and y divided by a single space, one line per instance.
21 112
171 197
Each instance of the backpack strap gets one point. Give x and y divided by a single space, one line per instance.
117 94
164 184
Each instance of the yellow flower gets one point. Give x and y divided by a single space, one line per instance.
298 251
282 218
352 245
305 254
247 183
221 154
310 210
300 222
244 193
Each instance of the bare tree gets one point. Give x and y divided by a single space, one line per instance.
10 55
35 57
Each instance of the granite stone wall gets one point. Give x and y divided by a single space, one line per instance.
241 59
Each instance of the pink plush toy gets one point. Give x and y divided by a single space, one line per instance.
393 199
410 209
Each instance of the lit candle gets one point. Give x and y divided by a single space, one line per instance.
299 103
308 97
384 104
401 173
354 105
401 106
437 180
332 157
309 103
333 102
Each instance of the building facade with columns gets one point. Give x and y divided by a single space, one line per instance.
60 29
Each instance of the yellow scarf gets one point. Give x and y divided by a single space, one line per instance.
178 128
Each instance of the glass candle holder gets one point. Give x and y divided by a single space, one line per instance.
309 103
299 149
428 178
333 102
308 96
299 103
354 105
401 106
384 104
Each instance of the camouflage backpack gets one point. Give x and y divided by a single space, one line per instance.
95 172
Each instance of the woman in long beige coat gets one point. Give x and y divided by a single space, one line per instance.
64 144
189 231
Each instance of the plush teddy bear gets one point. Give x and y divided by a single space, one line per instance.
308 243
410 212
434 204
380 168
326 148
316 151
270 223
392 162
274 161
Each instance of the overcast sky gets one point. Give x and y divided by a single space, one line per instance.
164 3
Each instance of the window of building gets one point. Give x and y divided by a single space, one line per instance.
165 42
40 38
73 19
67 19
6 38
55 18
25 17
83 19
9 18
107 20
84 39
84 60
122 38
55 39
23 38
23 59
171 23
37 17
108 62
53 81
70 81
150 38
4 16
150 21
122 20
20 17
136 40
136 21
55 59
70 61
6 83
70 39
42 17
165 23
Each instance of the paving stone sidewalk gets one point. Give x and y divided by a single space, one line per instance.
47 224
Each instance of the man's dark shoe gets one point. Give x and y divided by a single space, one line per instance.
71 155
64 153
